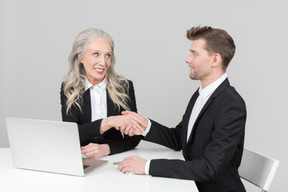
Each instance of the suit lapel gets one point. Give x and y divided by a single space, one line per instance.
111 108
221 87
187 115
86 108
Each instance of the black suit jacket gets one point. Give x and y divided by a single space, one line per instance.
214 149
90 131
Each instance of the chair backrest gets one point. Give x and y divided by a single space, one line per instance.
258 169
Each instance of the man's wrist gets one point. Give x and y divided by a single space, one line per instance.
147 128
147 167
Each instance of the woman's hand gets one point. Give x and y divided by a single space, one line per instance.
129 123
136 126
95 151
113 121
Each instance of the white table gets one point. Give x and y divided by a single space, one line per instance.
106 178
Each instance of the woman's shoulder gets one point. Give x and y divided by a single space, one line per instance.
130 82
125 82
62 85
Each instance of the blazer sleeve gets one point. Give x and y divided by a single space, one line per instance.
217 154
123 144
81 118
171 137
168 137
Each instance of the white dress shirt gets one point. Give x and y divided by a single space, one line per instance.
98 95
204 95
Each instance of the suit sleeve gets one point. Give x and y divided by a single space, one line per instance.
123 144
85 131
162 135
219 152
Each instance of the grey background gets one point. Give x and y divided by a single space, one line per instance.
36 38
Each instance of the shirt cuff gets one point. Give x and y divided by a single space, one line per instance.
147 166
147 128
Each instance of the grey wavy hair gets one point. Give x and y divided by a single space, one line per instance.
74 79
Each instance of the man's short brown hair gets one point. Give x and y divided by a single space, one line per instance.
217 41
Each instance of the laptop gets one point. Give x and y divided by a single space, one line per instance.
48 146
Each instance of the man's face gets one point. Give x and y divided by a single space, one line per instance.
199 60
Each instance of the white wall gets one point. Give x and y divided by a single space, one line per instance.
36 38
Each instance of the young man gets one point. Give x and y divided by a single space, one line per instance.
211 133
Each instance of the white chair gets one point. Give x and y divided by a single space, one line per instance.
258 169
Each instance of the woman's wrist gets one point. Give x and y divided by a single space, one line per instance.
106 149
106 124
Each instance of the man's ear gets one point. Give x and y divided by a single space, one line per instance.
217 60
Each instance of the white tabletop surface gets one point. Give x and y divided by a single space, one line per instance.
106 178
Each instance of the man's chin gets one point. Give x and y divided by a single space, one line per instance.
193 77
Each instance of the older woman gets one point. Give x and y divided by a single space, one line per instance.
93 96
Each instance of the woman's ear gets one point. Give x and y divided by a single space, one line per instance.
79 57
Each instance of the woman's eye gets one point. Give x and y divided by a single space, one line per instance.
96 54
108 56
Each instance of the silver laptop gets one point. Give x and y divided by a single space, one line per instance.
49 146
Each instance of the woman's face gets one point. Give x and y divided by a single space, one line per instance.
97 60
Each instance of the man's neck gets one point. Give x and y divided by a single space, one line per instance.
210 79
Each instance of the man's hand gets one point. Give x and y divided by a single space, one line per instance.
136 124
133 164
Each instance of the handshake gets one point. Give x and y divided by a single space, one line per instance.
129 123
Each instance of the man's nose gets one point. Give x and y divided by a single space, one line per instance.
188 59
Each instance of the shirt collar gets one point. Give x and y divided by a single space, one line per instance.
207 91
102 85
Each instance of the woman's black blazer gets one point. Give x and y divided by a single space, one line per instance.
89 132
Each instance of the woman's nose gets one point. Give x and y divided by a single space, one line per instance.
102 60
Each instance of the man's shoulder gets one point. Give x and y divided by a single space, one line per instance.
230 95
230 90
